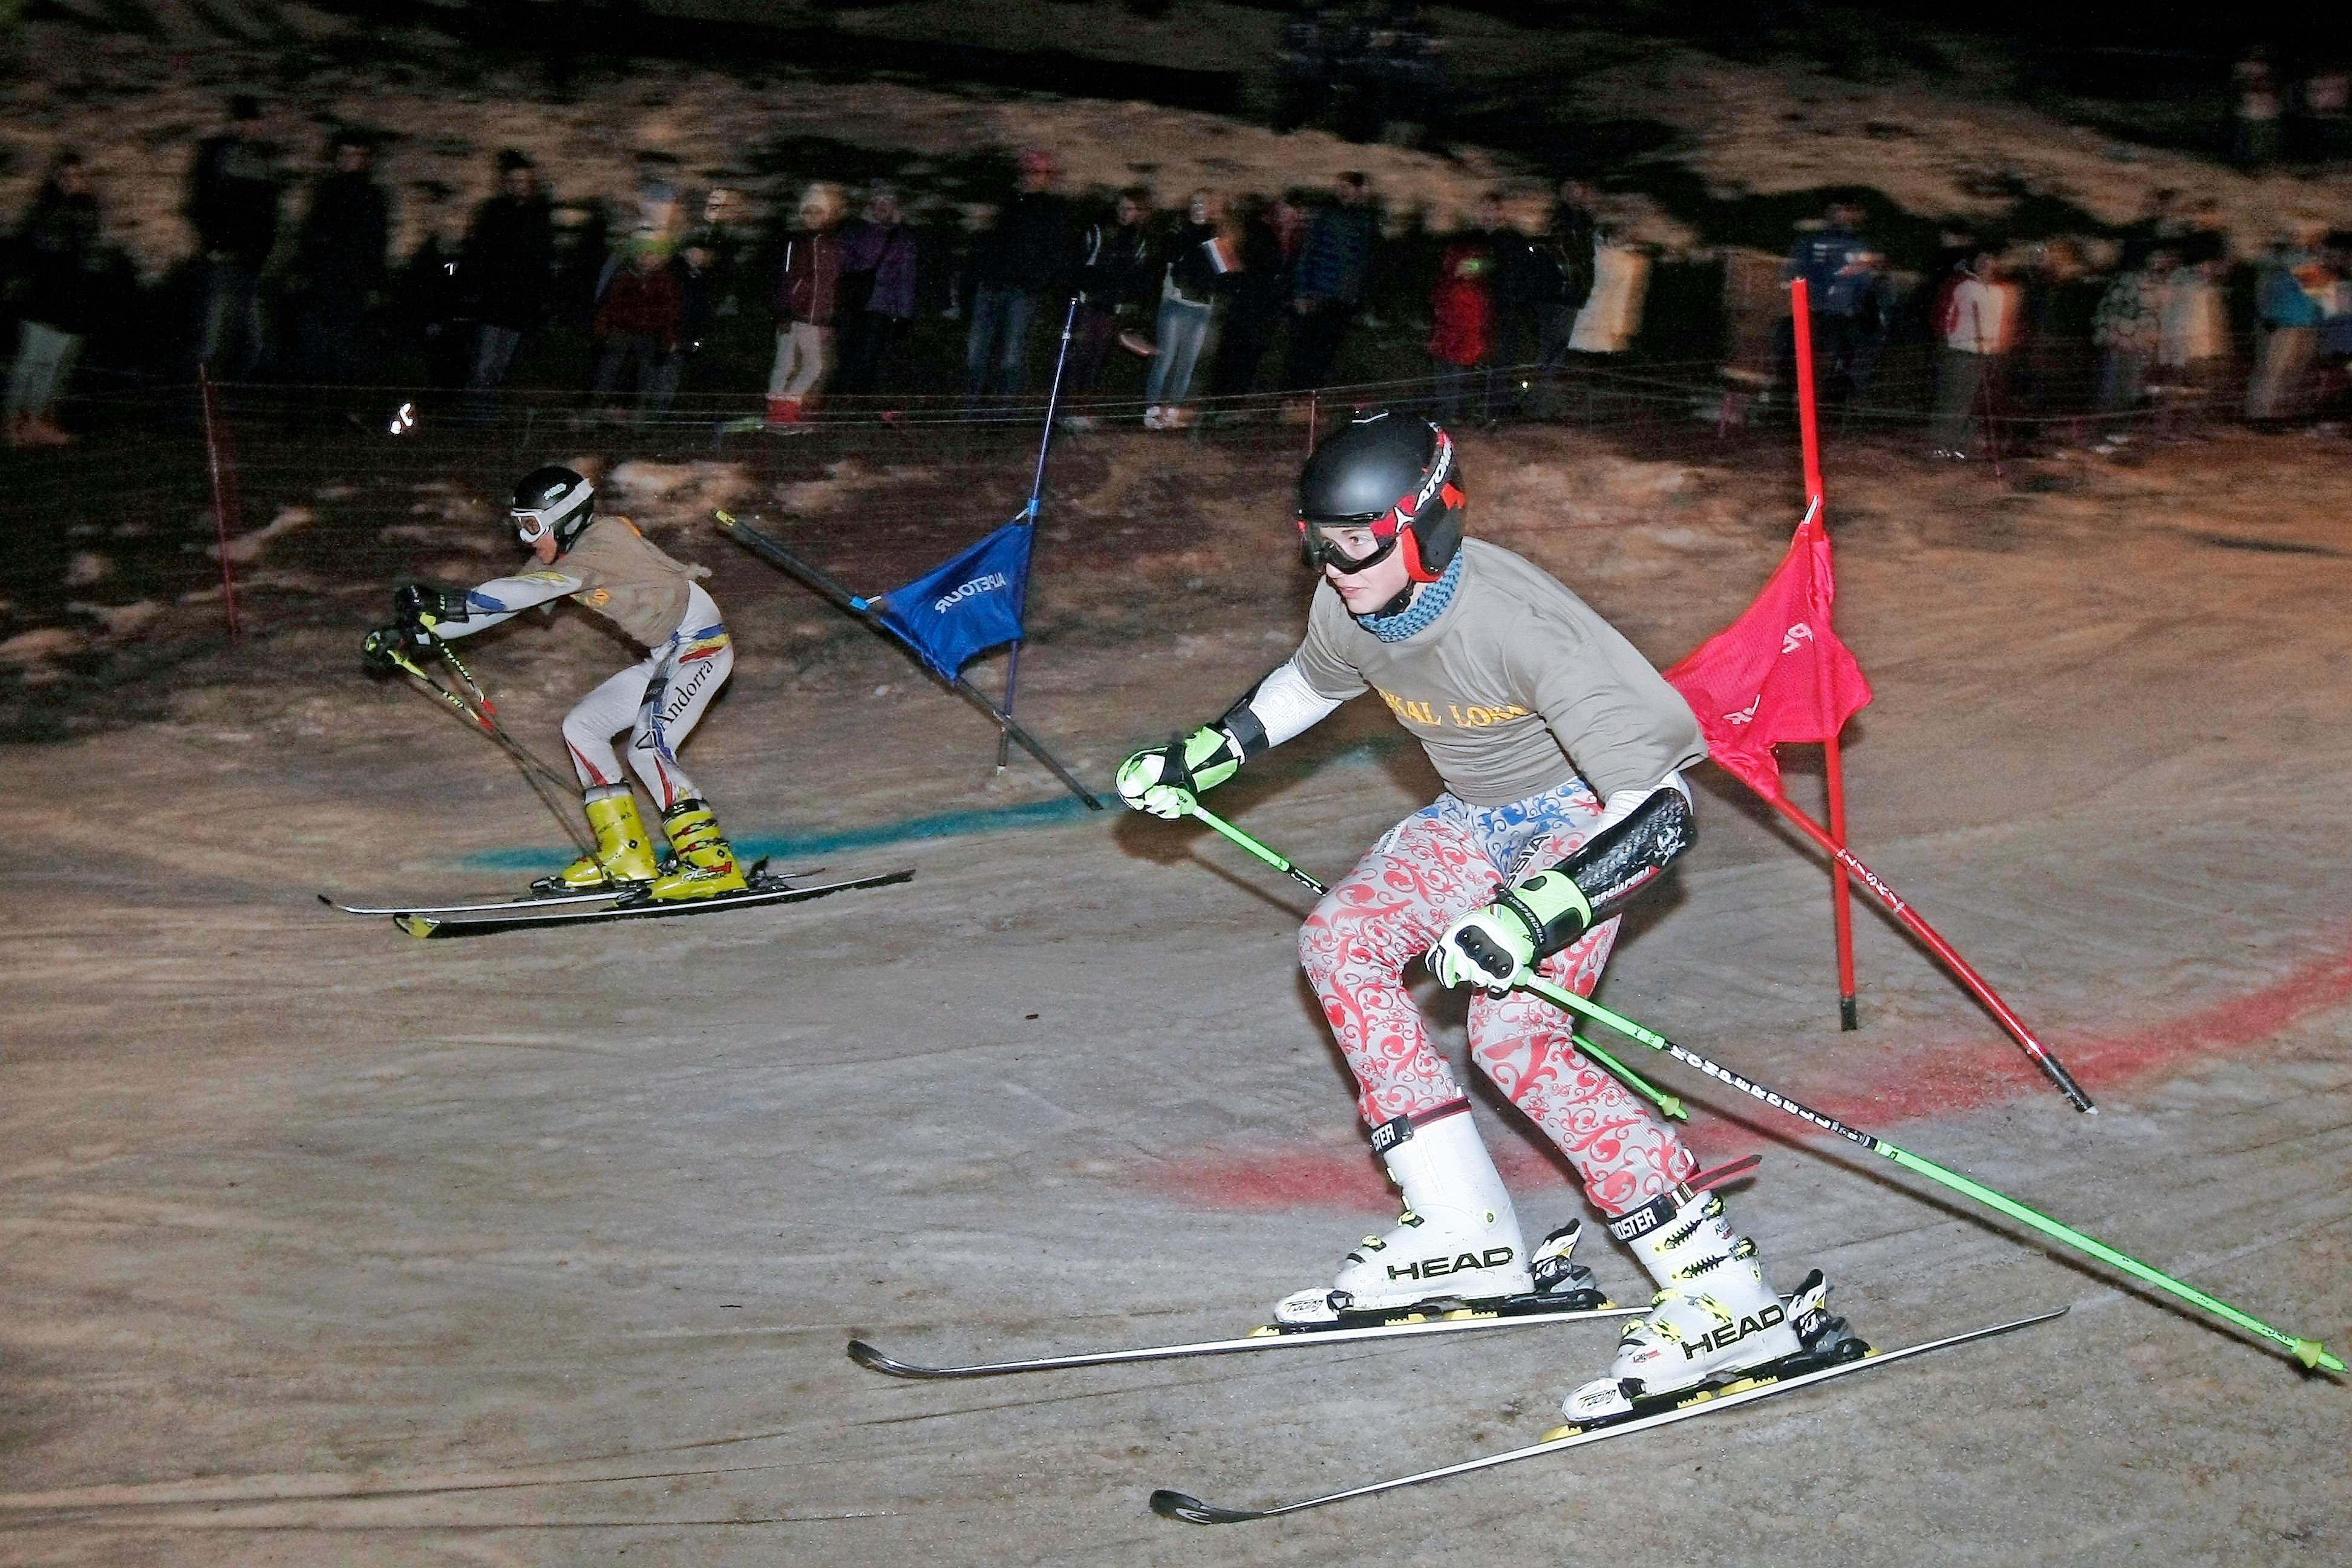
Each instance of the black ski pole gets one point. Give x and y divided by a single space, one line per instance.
834 591
391 654
1036 491
488 712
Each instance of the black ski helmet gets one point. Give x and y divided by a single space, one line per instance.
554 497
1395 474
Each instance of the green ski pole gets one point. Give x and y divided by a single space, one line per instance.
2310 1353
1253 847
1669 1107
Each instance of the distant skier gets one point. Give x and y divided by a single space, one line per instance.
1561 751
612 569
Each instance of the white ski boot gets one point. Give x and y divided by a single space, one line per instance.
1712 1317
1456 1243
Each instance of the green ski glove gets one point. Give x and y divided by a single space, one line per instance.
1497 947
1163 780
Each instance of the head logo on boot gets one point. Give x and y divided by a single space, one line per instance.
1461 1262
1730 1335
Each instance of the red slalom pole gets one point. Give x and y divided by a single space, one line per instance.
220 484
1896 905
1833 763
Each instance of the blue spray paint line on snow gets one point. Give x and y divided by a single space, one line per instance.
951 824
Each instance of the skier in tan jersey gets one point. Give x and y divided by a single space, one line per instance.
1561 751
608 567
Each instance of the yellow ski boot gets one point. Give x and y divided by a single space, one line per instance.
624 856
706 861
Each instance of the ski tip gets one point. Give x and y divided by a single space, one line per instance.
872 1360
1170 1504
866 1355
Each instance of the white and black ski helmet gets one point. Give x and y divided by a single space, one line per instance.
1392 473
553 498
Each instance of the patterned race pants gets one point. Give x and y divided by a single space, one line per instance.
1432 869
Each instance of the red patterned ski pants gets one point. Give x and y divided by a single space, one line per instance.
1432 869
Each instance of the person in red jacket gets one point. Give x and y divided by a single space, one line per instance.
638 318
808 296
1462 334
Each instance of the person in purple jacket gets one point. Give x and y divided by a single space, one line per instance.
878 296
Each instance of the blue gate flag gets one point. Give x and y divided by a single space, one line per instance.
966 606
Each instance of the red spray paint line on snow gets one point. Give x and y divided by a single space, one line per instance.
1909 1085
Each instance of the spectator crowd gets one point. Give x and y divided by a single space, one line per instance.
2031 333
1218 294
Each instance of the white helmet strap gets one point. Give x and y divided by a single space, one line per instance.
535 524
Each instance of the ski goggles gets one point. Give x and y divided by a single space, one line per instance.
531 525
1323 551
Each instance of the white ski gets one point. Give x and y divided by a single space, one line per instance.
1180 1505
1412 1326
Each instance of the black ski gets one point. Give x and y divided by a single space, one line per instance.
519 901
1582 1306
520 917
1703 1401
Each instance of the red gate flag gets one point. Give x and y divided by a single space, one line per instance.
1779 672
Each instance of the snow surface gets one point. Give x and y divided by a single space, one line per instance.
320 1244
335 1245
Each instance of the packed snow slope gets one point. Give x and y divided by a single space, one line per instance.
322 1244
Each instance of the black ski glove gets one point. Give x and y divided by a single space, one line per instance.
385 647
420 608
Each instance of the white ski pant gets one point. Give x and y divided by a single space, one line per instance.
803 354
658 700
